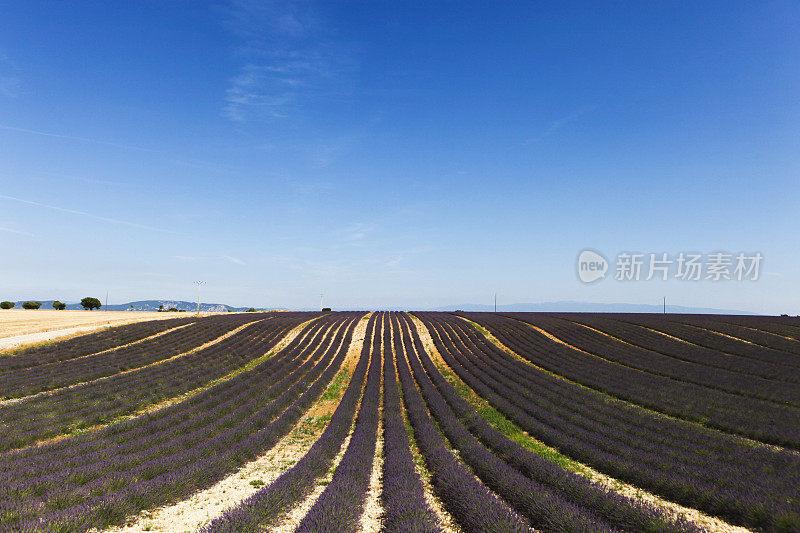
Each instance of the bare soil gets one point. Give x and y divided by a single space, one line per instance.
202 507
702 520
22 327
446 520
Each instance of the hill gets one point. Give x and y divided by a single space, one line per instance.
593 307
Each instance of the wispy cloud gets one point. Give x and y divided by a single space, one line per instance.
309 187
9 86
288 57
94 181
557 125
17 231
249 94
393 262
178 161
157 275
85 214
355 232
212 258
351 266
75 138
101 182
330 151
9 81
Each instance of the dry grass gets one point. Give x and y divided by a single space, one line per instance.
20 327
23 321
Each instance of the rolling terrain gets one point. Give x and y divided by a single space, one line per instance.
394 421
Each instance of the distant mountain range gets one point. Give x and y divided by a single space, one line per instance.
147 305
590 307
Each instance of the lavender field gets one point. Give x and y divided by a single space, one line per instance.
396 421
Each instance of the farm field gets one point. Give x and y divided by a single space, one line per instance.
19 327
395 421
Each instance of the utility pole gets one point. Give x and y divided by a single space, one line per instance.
198 283
321 307
665 305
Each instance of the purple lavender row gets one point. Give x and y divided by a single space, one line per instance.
81 406
546 510
267 506
139 434
161 440
618 510
27 381
191 468
751 390
778 333
404 505
144 433
341 504
196 463
686 351
712 341
88 344
98 402
756 332
705 467
720 474
782 326
747 331
468 500
764 421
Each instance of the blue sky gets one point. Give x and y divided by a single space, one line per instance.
409 154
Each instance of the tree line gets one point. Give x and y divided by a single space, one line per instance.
87 303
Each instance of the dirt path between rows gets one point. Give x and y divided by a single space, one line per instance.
204 506
370 521
154 363
701 519
446 521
